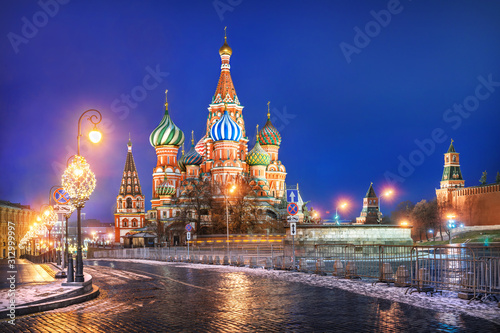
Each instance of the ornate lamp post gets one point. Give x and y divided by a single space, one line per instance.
385 194
342 205
49 218
66 217
79 181
231 190
451 224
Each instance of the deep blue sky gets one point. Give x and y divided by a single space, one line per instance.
351 120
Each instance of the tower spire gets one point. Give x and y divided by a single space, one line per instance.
268 112
166 101
192 138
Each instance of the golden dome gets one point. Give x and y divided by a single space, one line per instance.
225 49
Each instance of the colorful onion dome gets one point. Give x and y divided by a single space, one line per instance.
200 146
165 188
257 155
269 135
167 133
225 49
192 157
180 162
225 129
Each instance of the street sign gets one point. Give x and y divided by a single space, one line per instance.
189 227
62 209
188 235
292 219
61 196
293 229
292 208
292 195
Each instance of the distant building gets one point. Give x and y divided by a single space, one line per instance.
476 205
130 211
19 217
370 212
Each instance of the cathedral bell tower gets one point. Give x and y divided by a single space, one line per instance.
130 211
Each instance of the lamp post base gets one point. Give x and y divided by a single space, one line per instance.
79 267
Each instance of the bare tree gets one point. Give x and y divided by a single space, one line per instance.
196 202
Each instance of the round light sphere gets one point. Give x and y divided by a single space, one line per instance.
79 181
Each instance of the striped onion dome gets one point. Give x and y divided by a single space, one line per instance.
165 188
192 157
257 155
180 161
200 146
226 129
167 133
269 135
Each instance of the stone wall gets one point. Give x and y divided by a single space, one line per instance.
351 234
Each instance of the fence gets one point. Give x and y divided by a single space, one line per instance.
471 271
48 256
256 255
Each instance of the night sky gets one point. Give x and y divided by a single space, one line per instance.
355 101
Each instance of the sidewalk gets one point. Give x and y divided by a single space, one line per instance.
36 289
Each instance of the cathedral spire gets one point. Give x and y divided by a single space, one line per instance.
225 91
130 180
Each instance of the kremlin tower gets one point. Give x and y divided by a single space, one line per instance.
130 211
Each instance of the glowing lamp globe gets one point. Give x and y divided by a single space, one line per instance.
79 181
95 136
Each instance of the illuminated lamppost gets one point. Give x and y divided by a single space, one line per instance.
403 223
79 181
49 218
342 206
66 217
387 193
451 224
432 232
231 190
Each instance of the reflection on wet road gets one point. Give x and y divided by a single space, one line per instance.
138 297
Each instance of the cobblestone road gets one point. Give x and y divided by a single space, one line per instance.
145 298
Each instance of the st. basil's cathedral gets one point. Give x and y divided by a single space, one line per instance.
221 156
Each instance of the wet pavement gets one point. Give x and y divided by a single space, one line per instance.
137 297
24 271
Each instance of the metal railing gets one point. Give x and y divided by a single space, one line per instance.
473 271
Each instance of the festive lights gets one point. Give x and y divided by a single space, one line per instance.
79 181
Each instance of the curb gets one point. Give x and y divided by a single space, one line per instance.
29 309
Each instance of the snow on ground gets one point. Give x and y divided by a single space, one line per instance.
448 302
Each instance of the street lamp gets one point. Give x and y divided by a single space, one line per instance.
342 206
404 223
231 190
79 181
66 217
451 224
432 232
387 193
49 218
